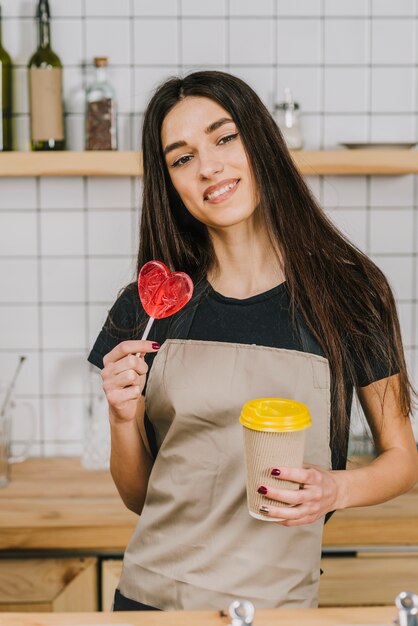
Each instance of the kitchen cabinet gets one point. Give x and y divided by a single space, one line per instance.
367 579
111 570
56 504
44 585
118 163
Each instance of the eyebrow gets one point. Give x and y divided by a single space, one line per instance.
210 129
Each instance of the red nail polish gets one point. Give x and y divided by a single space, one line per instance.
262 490
156 346
275 472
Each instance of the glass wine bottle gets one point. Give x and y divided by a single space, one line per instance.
5 98
45 89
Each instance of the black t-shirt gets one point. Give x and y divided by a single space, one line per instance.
264 320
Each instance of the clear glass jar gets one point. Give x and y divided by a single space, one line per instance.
287 117
101 117
96 443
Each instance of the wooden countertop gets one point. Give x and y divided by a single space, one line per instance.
276 617
57 504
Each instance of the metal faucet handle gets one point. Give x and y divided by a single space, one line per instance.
241 613
407 605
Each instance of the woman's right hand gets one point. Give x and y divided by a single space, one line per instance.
124 375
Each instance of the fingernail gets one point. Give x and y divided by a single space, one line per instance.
264 509
156 346
275 472
262 490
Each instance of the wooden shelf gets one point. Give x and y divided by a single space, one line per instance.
100 163
310 163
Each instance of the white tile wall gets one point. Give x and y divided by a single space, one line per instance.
299 41
67 245
346 7
242 33
18 194
346 41
62 233
109 37
392 231
109 233
147 32
306 86
61 193
212 8
64 373
19 280
385 31
63 326
301 8
248 7
19 327
108 8
387 7
62 280
107 275
203 42
344 128
108 193
18 235
393 89
346 89
28 381
160 8
67 41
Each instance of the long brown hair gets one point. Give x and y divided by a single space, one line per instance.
341 294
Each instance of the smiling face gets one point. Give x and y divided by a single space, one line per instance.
207 163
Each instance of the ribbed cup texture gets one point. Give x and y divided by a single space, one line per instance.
263 451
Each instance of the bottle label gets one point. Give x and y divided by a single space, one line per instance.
47 118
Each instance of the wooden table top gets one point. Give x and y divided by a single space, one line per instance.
54 503
274 617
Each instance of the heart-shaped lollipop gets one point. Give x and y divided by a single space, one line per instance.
162 293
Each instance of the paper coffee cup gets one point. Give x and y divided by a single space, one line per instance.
274 436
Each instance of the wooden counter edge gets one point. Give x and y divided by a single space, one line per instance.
263 617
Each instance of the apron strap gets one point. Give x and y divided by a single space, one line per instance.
308 341
175 327
181 322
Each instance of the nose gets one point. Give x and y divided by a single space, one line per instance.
209 165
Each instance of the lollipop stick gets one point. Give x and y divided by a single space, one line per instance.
147 328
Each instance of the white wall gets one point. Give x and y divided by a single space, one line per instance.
67 245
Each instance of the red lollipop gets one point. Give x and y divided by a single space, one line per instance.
162 293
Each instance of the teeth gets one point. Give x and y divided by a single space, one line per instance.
220 191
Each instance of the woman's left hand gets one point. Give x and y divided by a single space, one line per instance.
318 493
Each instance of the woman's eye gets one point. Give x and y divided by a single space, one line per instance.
182 160
228 138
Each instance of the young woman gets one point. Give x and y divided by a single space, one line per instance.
284 306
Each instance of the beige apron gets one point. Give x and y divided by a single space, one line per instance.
195 545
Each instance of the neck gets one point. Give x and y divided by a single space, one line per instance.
44 32
247 262
100 74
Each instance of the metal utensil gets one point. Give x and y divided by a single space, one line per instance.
407 605
241 613
9 391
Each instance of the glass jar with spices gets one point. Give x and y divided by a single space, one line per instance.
101 117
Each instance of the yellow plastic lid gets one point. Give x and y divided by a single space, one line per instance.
275 415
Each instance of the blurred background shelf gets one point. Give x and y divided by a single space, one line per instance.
118 163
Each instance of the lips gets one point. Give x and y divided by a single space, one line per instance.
216 191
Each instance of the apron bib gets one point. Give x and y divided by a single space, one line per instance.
195 545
